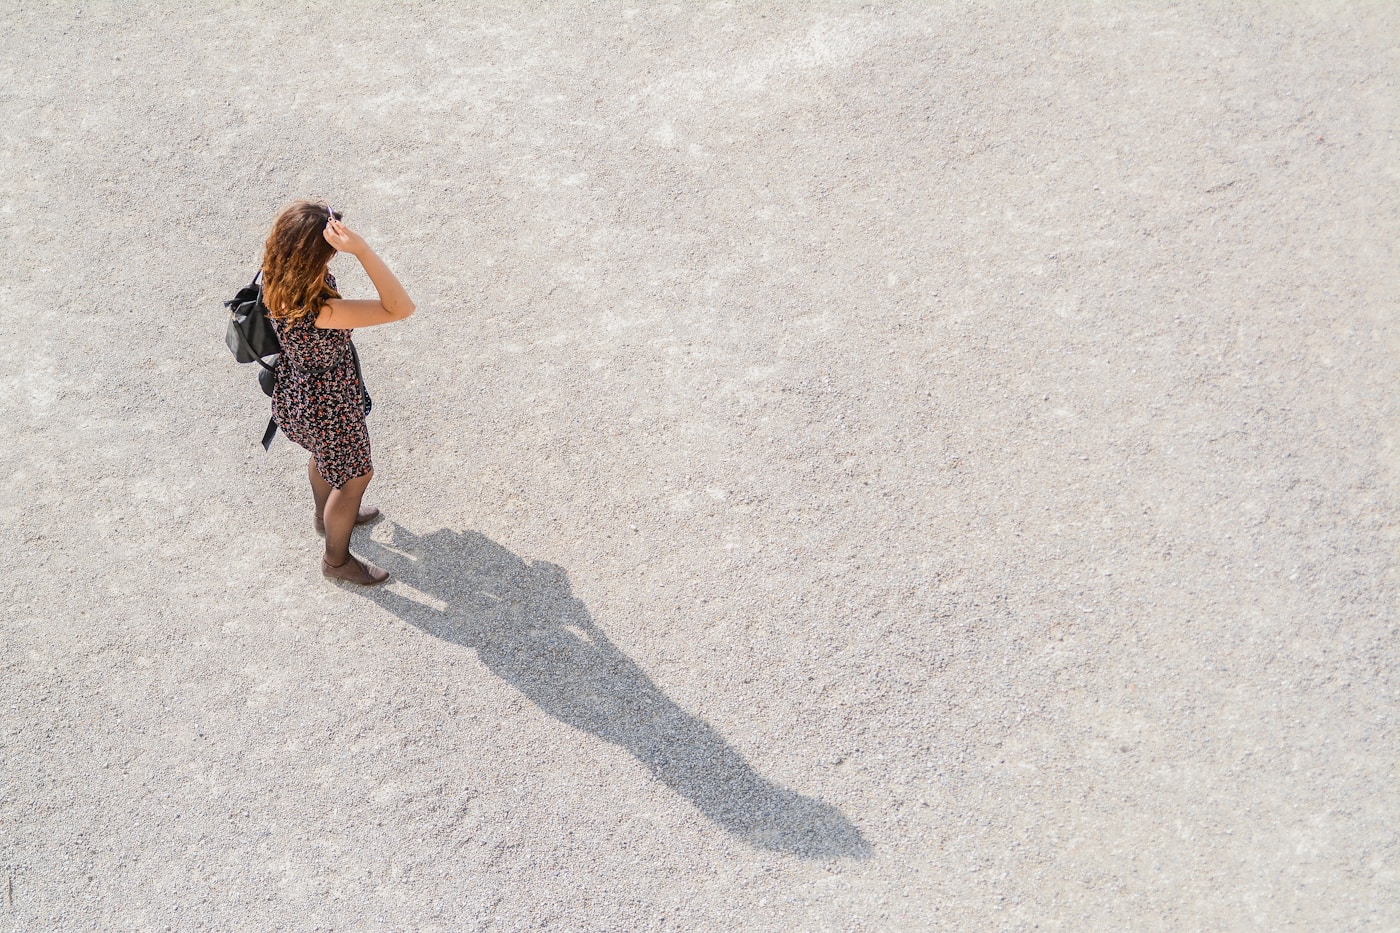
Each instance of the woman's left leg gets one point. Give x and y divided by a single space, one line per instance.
342 506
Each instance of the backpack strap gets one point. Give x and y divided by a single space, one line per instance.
271 431
250 346
364 389
269 434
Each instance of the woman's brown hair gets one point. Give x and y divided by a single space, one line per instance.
294 263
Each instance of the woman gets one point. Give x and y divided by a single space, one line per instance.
319 401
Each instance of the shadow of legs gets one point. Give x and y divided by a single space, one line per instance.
528 629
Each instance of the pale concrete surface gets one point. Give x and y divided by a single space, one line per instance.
853 468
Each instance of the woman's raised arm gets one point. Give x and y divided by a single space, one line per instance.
393 304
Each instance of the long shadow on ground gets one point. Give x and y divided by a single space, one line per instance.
522 619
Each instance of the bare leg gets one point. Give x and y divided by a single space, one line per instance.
320 489
342 506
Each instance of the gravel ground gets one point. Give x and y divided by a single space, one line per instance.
852 468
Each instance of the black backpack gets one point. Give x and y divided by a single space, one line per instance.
251 338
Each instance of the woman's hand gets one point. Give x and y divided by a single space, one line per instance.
344 239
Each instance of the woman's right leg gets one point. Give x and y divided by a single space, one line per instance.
342 507
321 491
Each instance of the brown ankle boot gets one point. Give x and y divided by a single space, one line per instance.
354 570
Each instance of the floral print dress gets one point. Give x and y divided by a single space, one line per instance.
319 401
